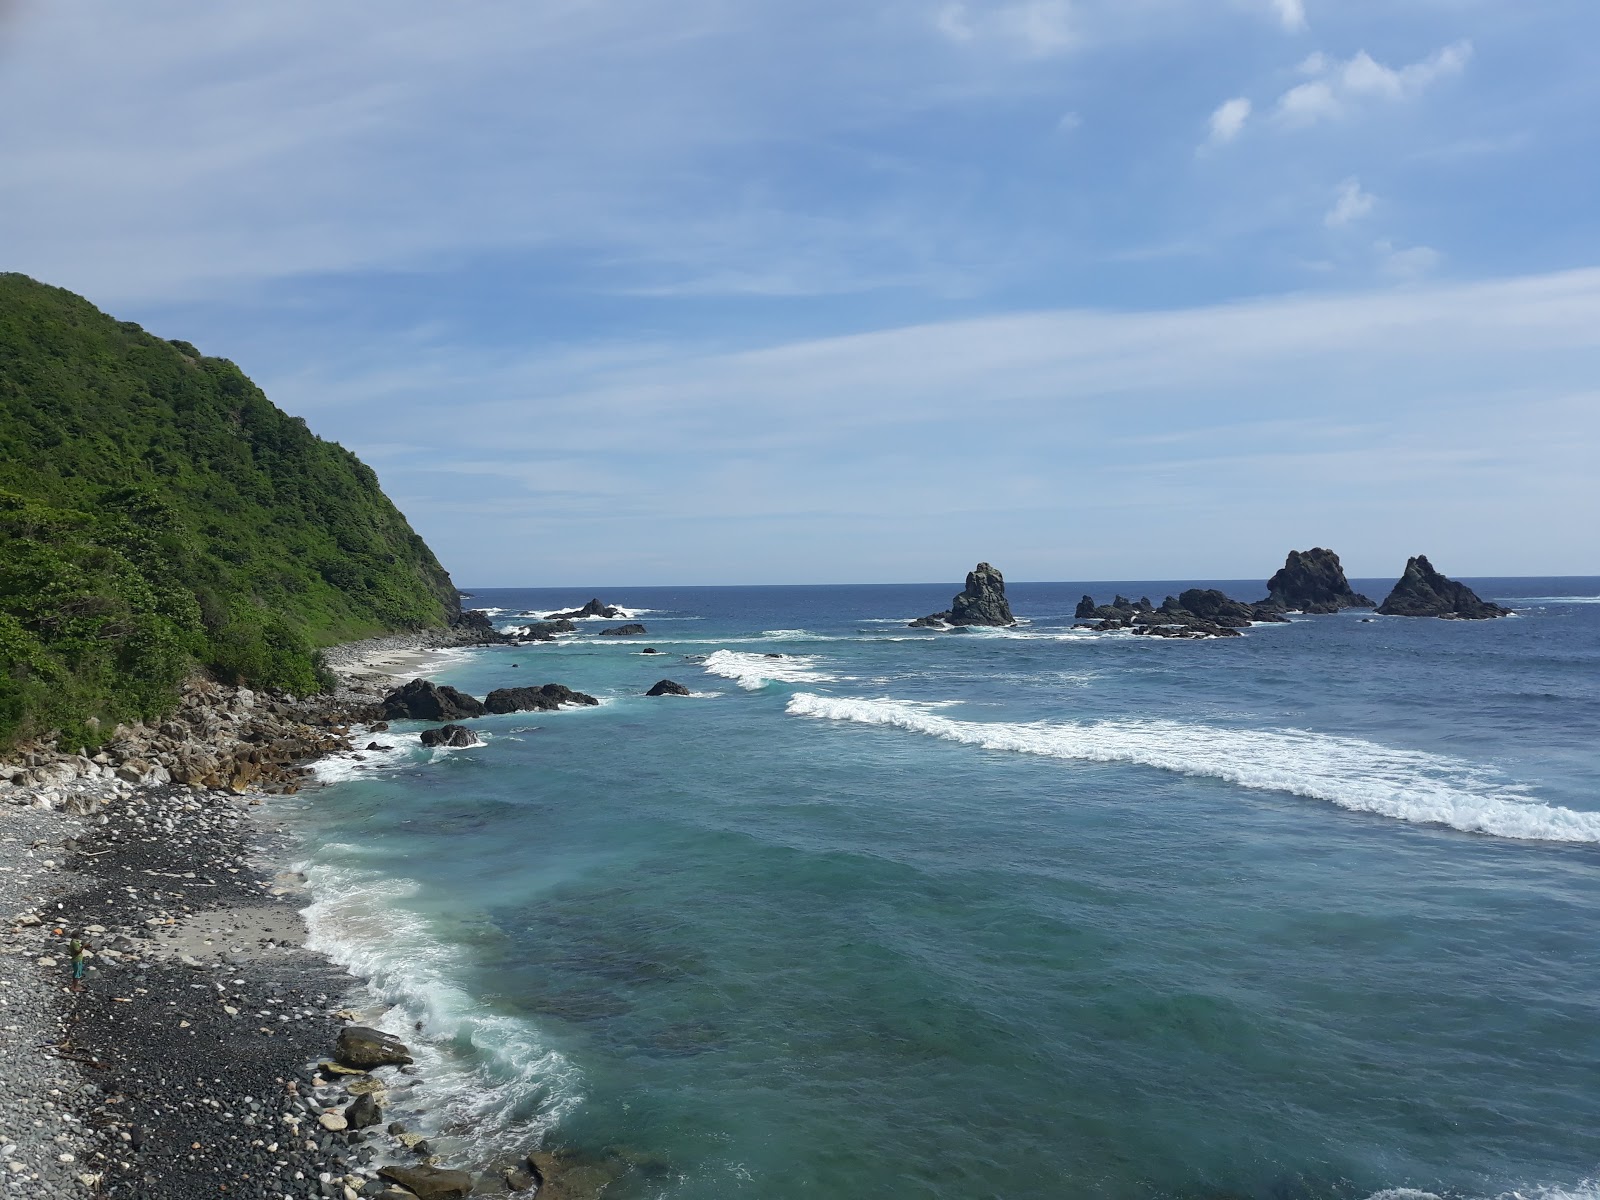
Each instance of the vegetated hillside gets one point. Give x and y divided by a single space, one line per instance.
157 512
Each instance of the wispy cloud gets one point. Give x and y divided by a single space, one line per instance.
1036 27
1292 13
1335 88
1352 204
1228 121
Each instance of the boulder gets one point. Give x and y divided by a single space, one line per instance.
545 631
981 602
421 700
668 688
633 629
364 1048
429 1183
363 1112
595 608
547 698
450 735
1423 592
1312 581
1120 609
476 624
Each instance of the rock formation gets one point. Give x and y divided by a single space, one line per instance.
668 688
544 631
547 698
982 602
595 608
364 1048
421 700
1423 592
1312 581
633 629
428 1182
1195 613
1121 607
450 735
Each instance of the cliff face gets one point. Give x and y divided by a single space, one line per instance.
157 512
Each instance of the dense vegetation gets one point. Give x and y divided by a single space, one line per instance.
158 514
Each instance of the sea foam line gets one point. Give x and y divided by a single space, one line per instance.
1408 785
754 671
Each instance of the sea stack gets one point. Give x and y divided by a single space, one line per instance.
982 602
1423 592
1312 581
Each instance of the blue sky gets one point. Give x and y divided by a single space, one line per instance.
712 291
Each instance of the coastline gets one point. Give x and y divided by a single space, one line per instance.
195 1062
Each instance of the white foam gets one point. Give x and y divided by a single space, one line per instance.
354 764
753 671
484 1070
1525 600
1587 1189
796 635
1408 785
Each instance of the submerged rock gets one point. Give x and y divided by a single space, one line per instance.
359 1046
421 700
981 602
546 698
595 608
633 629
668 688
1313 581
450 735
1423 592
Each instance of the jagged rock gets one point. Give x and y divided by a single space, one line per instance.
547 698
430 1183
668 688
1313 581
450 735
545 631
422 700
1423 592
595 608
476 623
981 602
1121 609
363 1112
632 629
364 1048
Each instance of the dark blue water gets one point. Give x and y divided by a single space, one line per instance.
1032 913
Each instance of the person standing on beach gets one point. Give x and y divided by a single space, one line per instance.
75 949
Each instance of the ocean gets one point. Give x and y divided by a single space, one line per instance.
1031 913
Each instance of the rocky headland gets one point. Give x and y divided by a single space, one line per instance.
981 602
1424 592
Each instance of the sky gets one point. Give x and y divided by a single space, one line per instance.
806 291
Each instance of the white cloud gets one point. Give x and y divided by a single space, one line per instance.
1352 204
1069 122
1411 262
1228 121
1292 13
1335 87
1039 28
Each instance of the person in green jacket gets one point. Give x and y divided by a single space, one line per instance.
75 948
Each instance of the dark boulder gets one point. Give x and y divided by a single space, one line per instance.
1312 581
365 1048
450 735
595 608
429 1183
981 602
668 688
476 623
547 698
421 700
378 746
649 650
634 629
363 1112
544 631
1120 609
1423 592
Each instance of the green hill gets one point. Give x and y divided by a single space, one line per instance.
158 514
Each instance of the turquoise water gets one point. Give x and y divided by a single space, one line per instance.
1025 914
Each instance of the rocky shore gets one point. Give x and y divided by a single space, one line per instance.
209 1052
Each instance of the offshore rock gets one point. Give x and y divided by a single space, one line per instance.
668 688
1313 581
633 629
450 735
547 698
476 623
981 602
366 1048
421 700
429 1183
1119 609
595 608
1423 592
544 631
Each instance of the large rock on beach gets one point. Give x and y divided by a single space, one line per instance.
476 623
1313 581
595 608
363 1112
450 735
981 602
546 698
1423 592
668 688
429 1183
364 1048
632 629
421 700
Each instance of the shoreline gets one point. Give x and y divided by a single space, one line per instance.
195 1062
